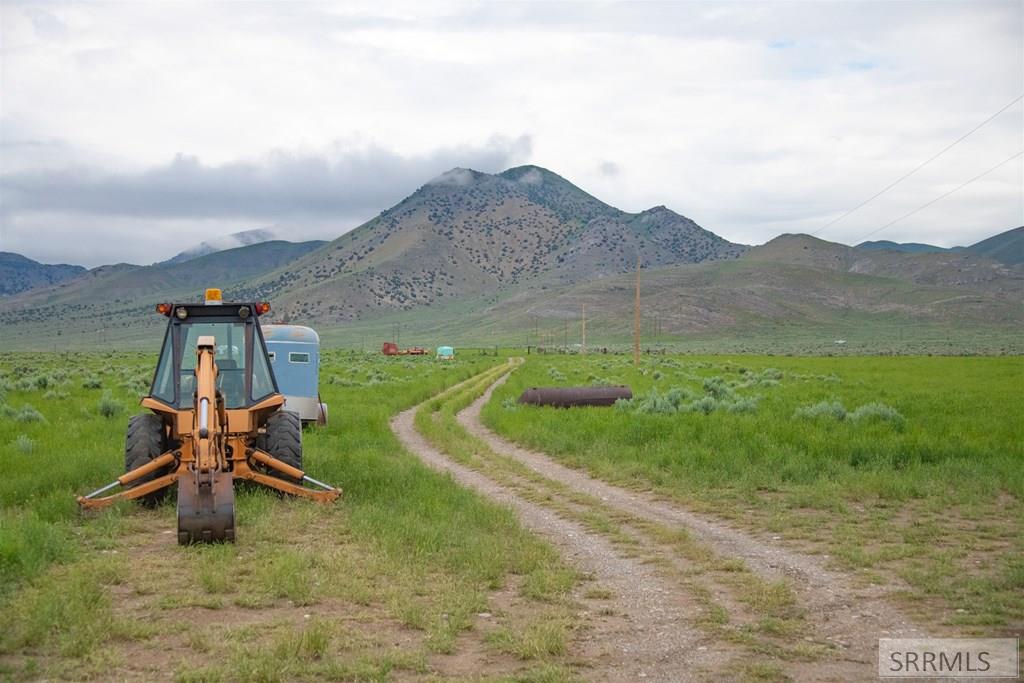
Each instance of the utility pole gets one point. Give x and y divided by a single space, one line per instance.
583 348
636 316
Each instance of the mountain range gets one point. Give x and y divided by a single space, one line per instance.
20 274
471 255
238 239
1006 247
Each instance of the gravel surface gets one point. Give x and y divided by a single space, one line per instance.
642 632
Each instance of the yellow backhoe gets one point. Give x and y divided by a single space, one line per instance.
216 416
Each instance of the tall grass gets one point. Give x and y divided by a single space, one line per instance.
909 466
962 436
403 538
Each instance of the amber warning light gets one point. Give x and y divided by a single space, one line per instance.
163 309
262 307
213 297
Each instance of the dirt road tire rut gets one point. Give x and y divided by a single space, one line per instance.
647 634
851 617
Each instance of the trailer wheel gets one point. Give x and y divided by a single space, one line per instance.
283 440
146 440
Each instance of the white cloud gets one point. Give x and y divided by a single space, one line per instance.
124 215
750 118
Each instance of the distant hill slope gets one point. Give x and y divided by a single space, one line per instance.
945 269
123 295
908 247
754 304
755 293
466 233
1006 247
20 274
232 241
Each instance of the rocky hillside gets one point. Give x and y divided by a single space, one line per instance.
467 233
20 274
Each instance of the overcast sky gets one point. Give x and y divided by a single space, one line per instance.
135 129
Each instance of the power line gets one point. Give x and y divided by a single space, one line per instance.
920 166
941 196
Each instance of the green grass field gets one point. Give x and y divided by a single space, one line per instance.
909 471
392 576
905 471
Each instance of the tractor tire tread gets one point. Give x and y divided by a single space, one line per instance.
283 440
145 441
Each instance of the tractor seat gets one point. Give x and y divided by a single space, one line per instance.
231 382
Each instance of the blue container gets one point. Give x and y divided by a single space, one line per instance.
295 359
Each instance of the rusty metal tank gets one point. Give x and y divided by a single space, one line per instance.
569 397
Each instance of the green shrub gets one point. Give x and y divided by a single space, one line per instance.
24 444
28 414
717 388
869 412
704 404
92 383
554 374
743 405
877 412
832 409
681 400
678 395
108 407
135 386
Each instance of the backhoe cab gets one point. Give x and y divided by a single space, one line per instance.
216 416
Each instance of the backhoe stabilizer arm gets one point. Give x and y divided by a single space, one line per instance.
92 500
326 494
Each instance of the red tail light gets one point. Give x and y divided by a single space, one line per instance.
262 307
163 309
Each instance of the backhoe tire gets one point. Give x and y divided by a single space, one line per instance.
146 441
283 440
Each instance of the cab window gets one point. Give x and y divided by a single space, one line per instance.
163 381
262 380
229 355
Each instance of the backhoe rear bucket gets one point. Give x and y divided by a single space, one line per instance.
206 507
